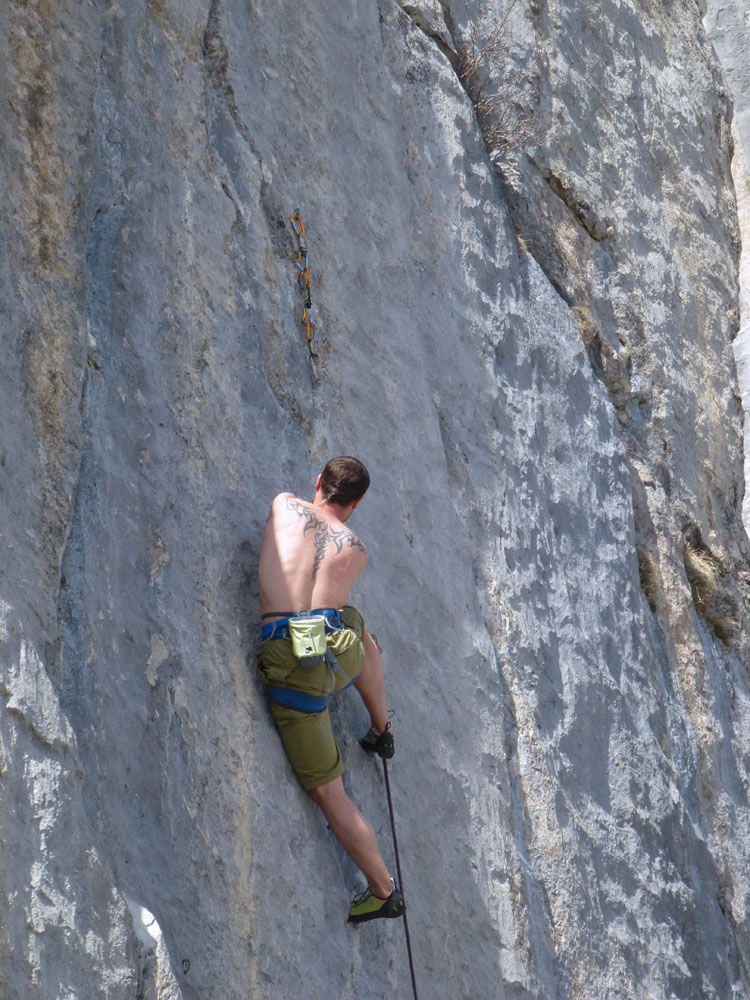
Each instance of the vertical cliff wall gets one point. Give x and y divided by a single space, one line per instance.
729 28
533 356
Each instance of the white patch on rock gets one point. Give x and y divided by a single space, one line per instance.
157 656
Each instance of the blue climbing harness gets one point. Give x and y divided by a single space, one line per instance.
301 701
280 628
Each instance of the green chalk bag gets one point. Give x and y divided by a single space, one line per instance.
308 635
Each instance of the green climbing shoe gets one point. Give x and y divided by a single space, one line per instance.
379 743
368 906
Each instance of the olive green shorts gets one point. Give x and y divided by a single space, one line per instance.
307 736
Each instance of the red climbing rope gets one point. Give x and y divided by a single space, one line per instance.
400 877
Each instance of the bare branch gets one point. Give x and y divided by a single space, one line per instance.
502 82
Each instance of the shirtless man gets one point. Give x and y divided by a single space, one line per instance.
309 560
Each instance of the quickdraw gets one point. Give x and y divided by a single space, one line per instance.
303 276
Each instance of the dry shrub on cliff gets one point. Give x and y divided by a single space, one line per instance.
501 75
717 608
649 578
703 576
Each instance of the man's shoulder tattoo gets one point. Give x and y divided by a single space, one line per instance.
324 535
301 510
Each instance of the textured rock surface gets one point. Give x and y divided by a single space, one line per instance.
535 362
728 24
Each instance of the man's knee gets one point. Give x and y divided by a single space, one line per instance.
328 795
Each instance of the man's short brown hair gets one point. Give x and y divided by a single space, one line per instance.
344 480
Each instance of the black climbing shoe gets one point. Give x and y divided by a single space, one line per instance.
368 906
379 743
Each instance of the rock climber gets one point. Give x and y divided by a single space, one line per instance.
308 563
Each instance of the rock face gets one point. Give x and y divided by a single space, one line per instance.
531 352
728 24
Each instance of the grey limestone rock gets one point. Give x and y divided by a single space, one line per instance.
532 353
728 24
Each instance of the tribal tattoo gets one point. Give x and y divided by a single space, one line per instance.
324 535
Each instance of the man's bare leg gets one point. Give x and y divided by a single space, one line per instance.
371 684
354 834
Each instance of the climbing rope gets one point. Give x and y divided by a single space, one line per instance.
303 276
400 877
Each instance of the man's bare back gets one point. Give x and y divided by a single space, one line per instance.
309 558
